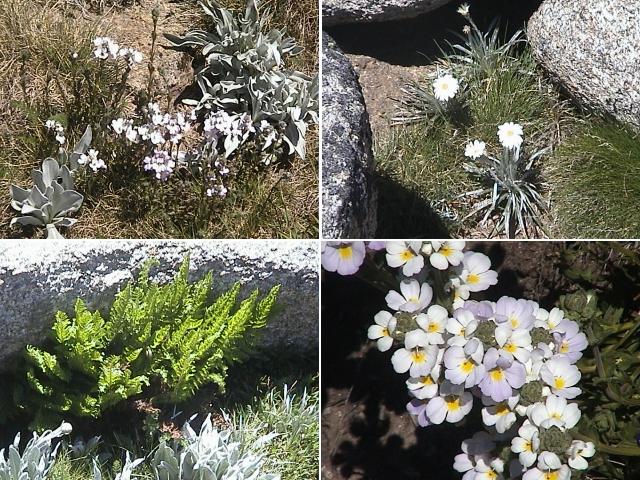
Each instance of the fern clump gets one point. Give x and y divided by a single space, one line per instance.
164 340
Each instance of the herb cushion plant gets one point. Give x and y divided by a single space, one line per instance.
164 340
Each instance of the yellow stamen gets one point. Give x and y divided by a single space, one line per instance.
446 250
528 446
491 474
453 403
473 278
551 475
467 366
433 327
502 409
406 255
564 348
514 322
418 356
559 382
426 380
385 332
510 347
496 374
345 252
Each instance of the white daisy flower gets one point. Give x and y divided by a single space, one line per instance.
445 87
475 149
510 135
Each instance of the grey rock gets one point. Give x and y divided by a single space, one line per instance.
349 199
335 12
592 48
37 278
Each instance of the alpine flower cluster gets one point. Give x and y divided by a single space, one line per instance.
512 358
106 48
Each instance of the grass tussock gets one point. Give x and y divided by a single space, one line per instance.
426 159
38 79
595 178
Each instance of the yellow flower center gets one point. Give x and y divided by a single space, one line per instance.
510 347
473 278
385 332
467 366
564 348
496 374
528 446
446 250
551 475
433 327
418 356
556 416
345 252
514 322
559 382
453 403
406 255
426 380
502 409
491 474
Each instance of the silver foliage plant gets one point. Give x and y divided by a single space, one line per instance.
239 69
37 458
211 454
53 196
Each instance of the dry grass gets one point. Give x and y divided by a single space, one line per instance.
276 202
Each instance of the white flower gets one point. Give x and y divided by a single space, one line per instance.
464 364
417 356
434 322
499 414
464 9
475 149
549 320
413 298
65 428
445 87
461 326
344 258
132 134
446 253
489 469
118 125
452 405
577 453
514 342
510 135
406 255
554 412
426 386
561 376
526 444
157 138
549 468
382 330
476 273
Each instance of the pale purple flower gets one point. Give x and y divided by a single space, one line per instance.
417 408
413 297
464 364
452 405
503 375
569 340
344 258
518 313
561 375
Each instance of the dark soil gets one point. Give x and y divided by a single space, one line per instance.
366 431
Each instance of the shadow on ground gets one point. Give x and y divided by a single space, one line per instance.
403 213
417 41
